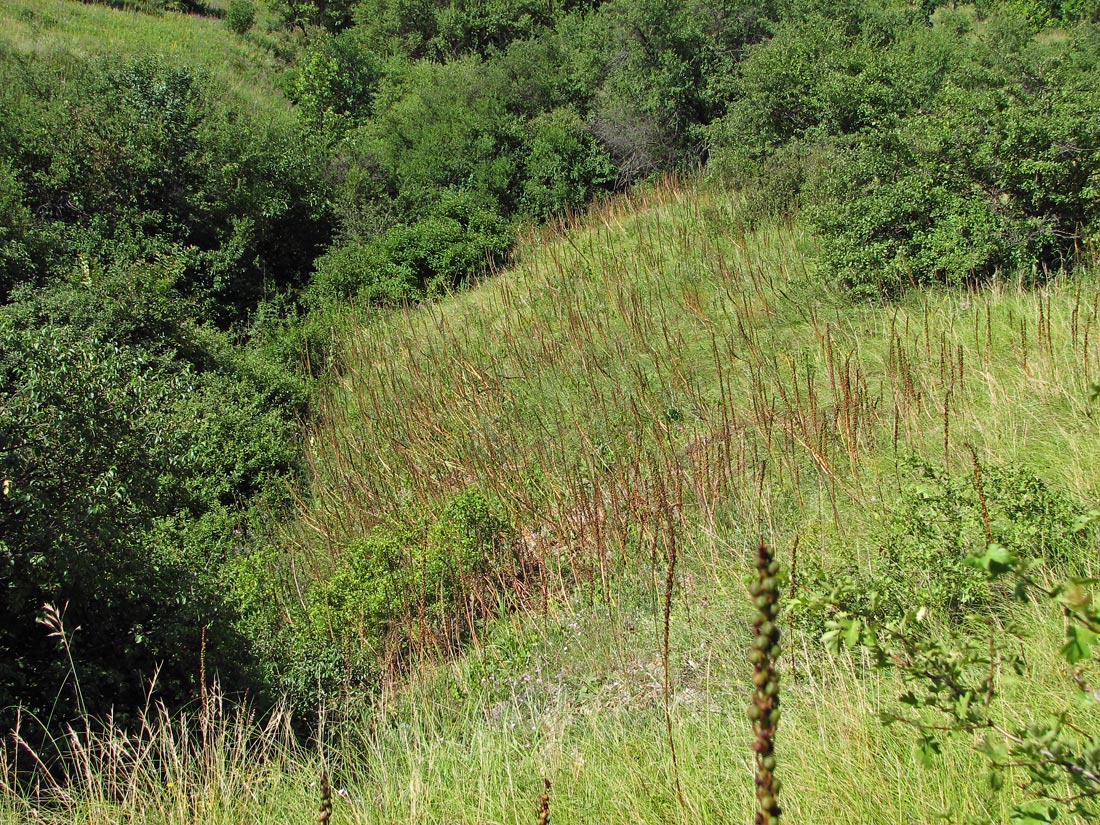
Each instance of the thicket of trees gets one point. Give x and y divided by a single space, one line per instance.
165 256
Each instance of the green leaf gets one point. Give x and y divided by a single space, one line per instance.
996 779
852 634
1078 641
927 750
996 560
1033 812
831 638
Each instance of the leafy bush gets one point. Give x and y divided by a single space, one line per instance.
956 675
82 497
666 68
17 234
564 164
1000 181
136 449
364 272
240 16
447 30
336 81
390 589
933 530
139 160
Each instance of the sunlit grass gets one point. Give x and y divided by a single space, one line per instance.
246 67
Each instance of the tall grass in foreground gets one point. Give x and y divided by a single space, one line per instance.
220 764
473 742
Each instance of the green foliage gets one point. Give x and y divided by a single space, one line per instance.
448 30
336 80
240 16
363 272
82 496
1041 14
954 680
954 156
565 165
17 234
332 15
1001 181
952 543
406 261
140 160
443 127
136 449
667 67
390 589
925 547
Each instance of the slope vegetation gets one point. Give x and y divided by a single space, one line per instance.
653 390
247 68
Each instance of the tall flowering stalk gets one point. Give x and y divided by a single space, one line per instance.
764 710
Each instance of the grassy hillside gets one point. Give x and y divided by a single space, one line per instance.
287 414
660 378
655 384
247 67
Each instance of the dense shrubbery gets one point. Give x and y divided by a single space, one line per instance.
939 150
924 559
141 161
138 443
424 584
134 446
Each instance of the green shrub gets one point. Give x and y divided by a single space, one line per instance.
390 589
86 487
666 70
336 81
991 182
564 164
363 272
937 525
137 160
240 16
17 234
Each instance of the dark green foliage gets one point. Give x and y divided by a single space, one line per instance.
995 181
138 161
829 70
336 82
18 234
565 165
445 126
392 589
411 260
447 30
130 449
668 68
925 546
332 15
929 153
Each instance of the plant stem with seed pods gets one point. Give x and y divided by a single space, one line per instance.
764 710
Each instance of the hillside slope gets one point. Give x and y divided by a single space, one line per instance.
660 383
642 397
246 67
